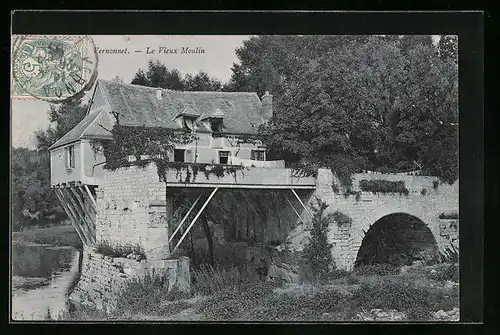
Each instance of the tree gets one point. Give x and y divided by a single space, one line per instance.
33 201
271 62
317 253
201 82
370 104
448 48
158 75
63 117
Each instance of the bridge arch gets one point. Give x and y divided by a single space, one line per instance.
393 235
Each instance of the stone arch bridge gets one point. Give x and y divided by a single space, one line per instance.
132 205
428 213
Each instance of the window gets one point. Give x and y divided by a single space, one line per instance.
70 157
216 125
224 157
179 155
188 123
258 155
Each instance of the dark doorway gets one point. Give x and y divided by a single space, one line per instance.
397 239
179 155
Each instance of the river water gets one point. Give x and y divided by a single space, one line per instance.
41 275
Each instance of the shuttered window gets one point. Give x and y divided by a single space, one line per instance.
258 155
70 157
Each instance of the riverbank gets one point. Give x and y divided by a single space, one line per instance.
56 236
425 293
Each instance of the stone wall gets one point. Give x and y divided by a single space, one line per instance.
368 208
103 277
131 210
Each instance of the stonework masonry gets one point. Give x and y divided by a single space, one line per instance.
103 277
425 205
133 207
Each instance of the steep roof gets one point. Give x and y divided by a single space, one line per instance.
90 127
139 105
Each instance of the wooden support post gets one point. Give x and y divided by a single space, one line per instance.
184 218
91 196
195 218
291 205
72 218
79 214
300 200
89 221
79 207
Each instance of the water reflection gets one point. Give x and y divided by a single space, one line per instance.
40 261
40 277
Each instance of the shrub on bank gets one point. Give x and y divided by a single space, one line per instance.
376 270
209 279
404 296
444 272
107 249
234 302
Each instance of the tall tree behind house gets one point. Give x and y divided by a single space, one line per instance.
357 102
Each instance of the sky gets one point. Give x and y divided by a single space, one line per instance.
29 115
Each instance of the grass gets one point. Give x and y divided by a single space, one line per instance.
209 279
57 236
227 295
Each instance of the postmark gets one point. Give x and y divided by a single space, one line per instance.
53 68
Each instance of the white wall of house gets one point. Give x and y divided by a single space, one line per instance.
207 149
88 167
61 171
93 163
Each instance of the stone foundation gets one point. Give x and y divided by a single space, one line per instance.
103 277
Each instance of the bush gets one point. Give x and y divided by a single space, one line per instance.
317 253
107 249
404 296
145 295
337 274
450 255
445 272
376 270
234 302
311 306
448 216
209 280
383 186
341 219
418 313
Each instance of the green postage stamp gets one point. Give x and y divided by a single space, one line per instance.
53 68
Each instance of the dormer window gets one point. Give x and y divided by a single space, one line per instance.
216 125
187 118
188 123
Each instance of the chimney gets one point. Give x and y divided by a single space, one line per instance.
158 94
267 106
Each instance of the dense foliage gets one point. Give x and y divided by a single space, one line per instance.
33 202
383 186
317 253
138 141
353 103
158 75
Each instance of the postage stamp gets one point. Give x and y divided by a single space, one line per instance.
53 68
